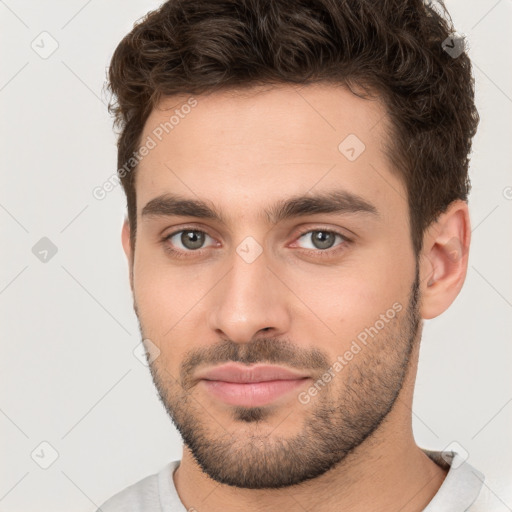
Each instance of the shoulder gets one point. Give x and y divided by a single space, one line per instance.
494 496
466 488
143 495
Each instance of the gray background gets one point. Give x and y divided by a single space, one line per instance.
69 376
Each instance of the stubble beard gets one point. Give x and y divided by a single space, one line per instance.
252 455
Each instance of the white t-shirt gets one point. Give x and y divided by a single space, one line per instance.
462 490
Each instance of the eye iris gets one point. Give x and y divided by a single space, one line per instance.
323 239
192 239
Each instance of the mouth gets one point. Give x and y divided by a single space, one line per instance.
251 386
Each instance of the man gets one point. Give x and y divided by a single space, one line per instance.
296 182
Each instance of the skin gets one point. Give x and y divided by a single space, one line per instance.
244 151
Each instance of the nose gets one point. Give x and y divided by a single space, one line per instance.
248 300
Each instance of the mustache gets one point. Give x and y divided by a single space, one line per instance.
261 350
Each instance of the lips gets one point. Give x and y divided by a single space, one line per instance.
233 372
251 386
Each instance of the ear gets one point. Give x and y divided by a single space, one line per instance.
444 259
125 239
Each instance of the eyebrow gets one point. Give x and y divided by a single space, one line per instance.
336 201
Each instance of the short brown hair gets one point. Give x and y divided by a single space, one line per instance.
391 48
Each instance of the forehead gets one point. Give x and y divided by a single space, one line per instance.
243 148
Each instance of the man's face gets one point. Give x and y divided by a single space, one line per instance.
329 295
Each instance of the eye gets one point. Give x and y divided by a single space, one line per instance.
190 239
322 240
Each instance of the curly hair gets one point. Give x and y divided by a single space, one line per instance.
390 49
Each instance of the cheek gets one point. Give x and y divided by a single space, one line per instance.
353 297
163 294
171 306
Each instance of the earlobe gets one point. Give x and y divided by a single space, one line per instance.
444 259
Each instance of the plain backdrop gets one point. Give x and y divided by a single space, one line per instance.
69 375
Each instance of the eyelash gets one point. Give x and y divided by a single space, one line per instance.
317 253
